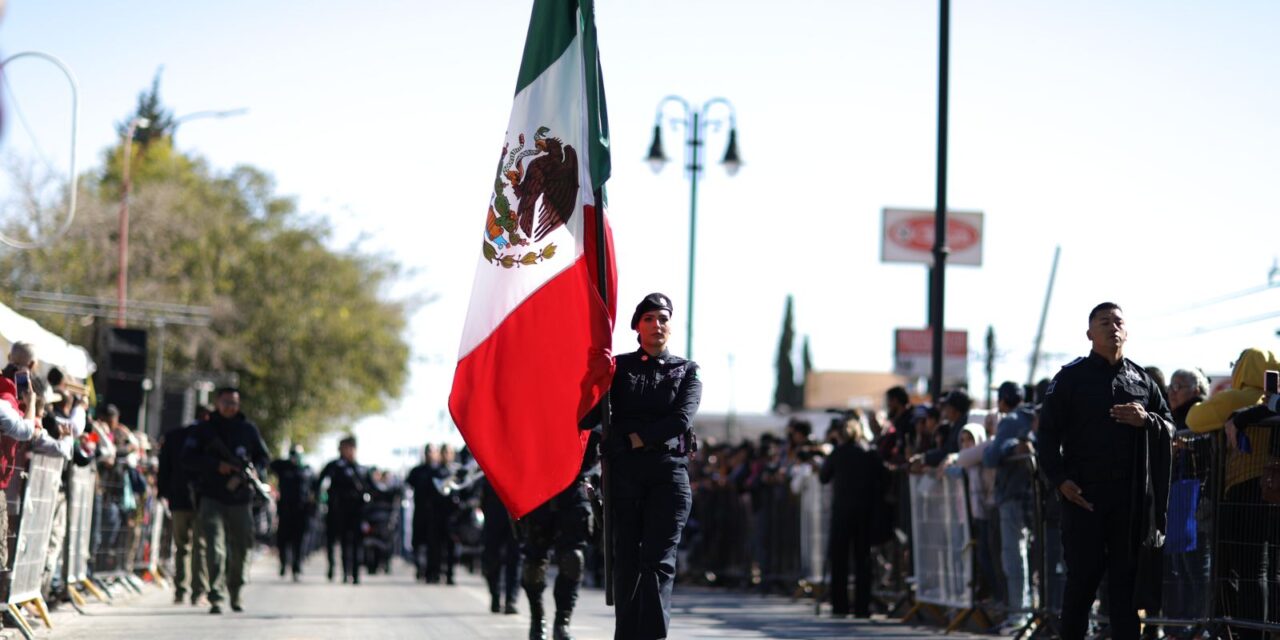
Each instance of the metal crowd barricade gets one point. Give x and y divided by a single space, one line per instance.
1244 575
30 518
941 547
146 558
1195 484
722 547
891 562
80 488
115 507
815 526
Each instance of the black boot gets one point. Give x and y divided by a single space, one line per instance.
560 630
495 603
537 621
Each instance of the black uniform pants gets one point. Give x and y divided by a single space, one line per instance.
1097 543
563 524
847 534
500 561
651 502
442 551
343 527
290 533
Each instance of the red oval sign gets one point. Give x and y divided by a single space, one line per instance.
917 234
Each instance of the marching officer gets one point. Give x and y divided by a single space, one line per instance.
563 523
1099 418
348 492
654 397
295 481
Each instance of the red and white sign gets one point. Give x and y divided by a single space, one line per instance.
909 234
913 353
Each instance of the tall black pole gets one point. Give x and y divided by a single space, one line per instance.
695 165
938 287
606 408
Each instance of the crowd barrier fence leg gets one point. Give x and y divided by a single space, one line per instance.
20 621
91 586
36 605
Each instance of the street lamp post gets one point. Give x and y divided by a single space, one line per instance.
122 278
694 122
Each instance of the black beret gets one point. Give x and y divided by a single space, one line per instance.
651 302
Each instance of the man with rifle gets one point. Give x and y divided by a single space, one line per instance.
223 455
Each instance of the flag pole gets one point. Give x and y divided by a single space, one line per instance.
606 409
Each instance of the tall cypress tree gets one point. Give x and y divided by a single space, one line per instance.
784 393
806 367
160 123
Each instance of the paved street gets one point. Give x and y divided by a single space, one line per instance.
395 607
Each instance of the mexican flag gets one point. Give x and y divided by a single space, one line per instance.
535 349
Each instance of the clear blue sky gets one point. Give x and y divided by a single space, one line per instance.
1139 136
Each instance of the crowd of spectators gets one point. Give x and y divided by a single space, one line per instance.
750 526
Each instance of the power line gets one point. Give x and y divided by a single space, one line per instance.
1235 323
1227 297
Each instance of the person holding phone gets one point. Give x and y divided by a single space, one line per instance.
17 422
1100 416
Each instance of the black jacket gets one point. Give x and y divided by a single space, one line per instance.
296 484
173 481
1078 438
858 478
201 455
349 485
654 397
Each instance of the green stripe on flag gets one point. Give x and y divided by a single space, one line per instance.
552 27
597 111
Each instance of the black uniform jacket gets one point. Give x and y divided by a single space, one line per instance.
859 478
296 485
348 485
200 458
1078 438
654 397
173 481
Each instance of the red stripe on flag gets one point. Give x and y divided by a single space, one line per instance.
518 396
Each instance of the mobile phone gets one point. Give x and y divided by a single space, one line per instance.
1271 382
22 380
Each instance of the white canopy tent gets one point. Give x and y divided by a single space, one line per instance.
51 350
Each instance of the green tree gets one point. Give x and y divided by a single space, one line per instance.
806 363
785 390
310 331
159 121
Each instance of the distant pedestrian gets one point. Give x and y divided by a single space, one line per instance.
295 483
859 478
175 487
348 490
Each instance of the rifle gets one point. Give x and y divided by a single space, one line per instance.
245 471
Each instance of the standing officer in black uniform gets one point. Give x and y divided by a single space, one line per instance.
297 503
500 559
563 523
348 492
1096 418
654 397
